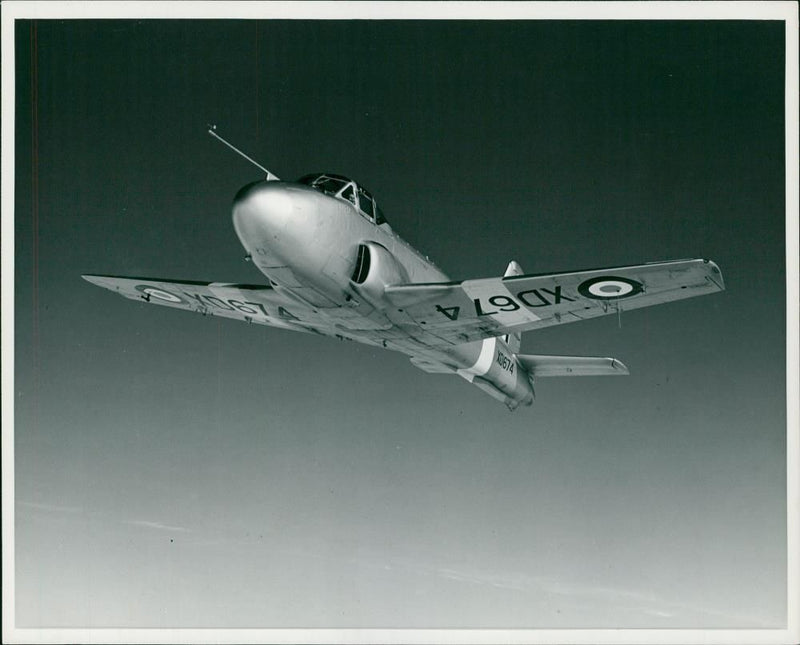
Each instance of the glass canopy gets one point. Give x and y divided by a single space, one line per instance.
340 186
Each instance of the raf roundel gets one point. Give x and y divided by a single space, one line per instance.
609 288
158 294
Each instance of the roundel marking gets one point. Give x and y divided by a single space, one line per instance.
609 287
159 294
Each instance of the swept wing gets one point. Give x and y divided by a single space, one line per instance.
250 303
459 312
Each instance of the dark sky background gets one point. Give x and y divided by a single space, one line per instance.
176 470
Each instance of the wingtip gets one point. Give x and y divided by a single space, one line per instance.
93 279
619 367
715 274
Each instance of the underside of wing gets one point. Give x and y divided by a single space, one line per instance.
460 312
431 366
249 303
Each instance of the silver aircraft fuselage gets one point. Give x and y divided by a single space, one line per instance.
310 245
336 268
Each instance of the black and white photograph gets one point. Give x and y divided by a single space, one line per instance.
400 322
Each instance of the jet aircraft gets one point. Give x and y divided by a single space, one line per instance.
335 267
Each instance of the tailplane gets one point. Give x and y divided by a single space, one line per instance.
539 366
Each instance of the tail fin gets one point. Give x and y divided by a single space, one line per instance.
542 366
514 341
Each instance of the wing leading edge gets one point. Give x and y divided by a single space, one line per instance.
460 312
249 303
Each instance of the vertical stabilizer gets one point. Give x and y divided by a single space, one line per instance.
514 341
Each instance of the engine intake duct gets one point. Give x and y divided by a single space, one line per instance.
375 269
361 270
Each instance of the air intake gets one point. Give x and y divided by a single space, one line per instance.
361 270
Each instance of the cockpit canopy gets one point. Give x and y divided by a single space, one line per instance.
340 186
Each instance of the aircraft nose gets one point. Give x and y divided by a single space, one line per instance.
261 212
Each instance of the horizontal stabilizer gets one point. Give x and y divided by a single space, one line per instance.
543 366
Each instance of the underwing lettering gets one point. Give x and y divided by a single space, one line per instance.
450 312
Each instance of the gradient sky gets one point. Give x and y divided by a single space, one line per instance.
176 470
